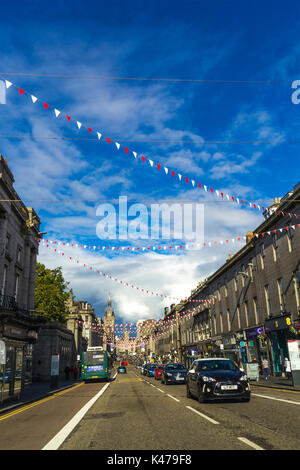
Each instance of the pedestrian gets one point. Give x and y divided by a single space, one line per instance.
67 372
265 364
287 366
75 372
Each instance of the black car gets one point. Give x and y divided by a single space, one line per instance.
122 370
173 373
217 379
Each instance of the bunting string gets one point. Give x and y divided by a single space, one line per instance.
161 168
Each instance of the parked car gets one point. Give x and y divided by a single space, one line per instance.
150 370
122 370
158 371
124 363
173 373
144 368
217 379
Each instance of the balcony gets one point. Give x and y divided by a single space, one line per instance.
7 302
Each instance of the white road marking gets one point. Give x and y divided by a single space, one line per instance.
276 399
62 435
249 443
203 416
160 390
176 399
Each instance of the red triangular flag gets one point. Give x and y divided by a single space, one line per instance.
172 172
89 129
21 91
126 149
143 158
158 166
108 140
68 117
46 105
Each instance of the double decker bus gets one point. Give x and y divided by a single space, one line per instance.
96 364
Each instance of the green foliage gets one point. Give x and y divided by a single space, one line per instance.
51 293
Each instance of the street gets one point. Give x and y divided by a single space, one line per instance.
134 412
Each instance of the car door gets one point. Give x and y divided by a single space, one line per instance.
192 378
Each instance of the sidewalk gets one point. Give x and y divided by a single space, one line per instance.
36 391
275 382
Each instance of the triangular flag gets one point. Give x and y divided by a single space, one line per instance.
135 154
99 135
34 98
151 162
79 124
117 145
166 170
57 112
8 84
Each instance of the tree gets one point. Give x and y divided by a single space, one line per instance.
51 293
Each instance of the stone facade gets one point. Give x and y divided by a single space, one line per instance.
19 233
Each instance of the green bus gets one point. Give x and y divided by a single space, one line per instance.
96 364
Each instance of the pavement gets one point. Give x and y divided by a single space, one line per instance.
282 383
36 391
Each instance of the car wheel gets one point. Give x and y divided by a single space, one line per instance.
201 398
188 393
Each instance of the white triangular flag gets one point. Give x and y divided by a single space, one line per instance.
79 124
193 182
34 98
8 84
205 188
57 112
166 170
99 135
117 145
151 162
179 175
135 154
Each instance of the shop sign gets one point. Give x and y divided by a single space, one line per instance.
14 332
279 323
242 344
253 332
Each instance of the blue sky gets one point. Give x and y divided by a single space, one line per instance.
191 40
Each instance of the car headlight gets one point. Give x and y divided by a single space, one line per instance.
208 379
168 373
244 378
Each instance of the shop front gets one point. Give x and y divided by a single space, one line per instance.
277 330
256 347
230 348
14 367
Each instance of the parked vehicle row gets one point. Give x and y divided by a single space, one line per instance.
207 379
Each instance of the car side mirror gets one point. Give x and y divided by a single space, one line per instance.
192 371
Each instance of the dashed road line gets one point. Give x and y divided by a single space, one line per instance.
276 399
176 399
203 416
250 443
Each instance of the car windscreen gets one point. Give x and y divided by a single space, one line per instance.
175 367
216 365
152 366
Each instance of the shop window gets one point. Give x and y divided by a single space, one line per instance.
262 256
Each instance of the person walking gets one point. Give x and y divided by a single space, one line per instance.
265 364
287 366
67 372
75 372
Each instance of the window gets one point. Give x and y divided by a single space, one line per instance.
291 239
255 309
238 316
246 312
297 287
243 270
262 256
228 320
86 318
19 255
225 290
275 247
4 280
268 299
221 322
235 280
17 286
281 294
